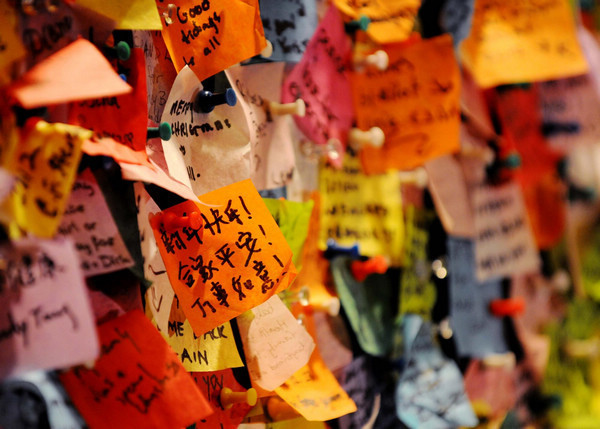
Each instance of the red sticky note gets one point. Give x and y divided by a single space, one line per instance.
137 382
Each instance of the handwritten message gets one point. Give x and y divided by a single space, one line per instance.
272 153
356 208
46 321
122 118
288 25
504 244
129 386
236 259
321 80
477 332
99 244
275 345
205 34
522 41
391 20
45 164
206 151
413 102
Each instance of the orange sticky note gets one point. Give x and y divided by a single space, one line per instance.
236 259
415 102
391 20
79 71
122 118
517 41
137 382
206 35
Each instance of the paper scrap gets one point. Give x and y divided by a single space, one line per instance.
272 150
522 41
46 320
132 15
275 345
137 381
415 105
362 386
13 47
235 260
367 210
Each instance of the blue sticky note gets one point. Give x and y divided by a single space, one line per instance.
430 393
477 333
288 25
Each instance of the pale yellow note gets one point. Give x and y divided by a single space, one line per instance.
128 15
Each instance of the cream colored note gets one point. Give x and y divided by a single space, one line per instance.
276 345
207 151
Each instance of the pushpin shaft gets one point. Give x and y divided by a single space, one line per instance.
296 108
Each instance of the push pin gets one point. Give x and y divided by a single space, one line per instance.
206 101
500 360
28 7
168 13
332 151
362 269
507 307
297 108
362 23
358 138
267 51
121 51
379 59
334 249
163 131
511 162
418 177
229 398
172 221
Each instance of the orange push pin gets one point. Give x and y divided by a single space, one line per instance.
229 398
361 270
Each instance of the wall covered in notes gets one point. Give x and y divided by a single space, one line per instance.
303 214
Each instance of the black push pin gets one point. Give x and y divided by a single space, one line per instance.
121 51
206 101
362 23
163 131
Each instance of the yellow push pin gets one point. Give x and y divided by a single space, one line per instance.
297 108
229 397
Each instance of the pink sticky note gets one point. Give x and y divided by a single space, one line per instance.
321 80
46 320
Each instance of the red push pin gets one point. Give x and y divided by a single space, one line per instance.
507 307
361 269
172 221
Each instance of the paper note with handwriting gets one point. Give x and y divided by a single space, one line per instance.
519 41
136 382
415 101
272 150
12 47
122 118
234 260
356 208
45 164
66 76
477 332
205 35
391 20
46 320
88 222
504 243
430 393
132 15
207 150
361 384
321 80
275 345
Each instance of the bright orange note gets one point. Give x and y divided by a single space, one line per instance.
236 259
415 102
137 382
122 118
79 71
517 41
206 35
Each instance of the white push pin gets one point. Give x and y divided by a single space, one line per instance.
268 50
379 59
331 306
169 13
358 138
297 108
418 177
501 360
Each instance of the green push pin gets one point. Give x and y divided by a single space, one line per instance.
511 162
121 51
361 23
163 131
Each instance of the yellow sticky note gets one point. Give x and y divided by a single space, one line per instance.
45 164
356 208
128 15
11 47
518 41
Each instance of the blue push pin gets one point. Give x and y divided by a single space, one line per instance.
121 51
206 101
163 131
334 249
361 23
